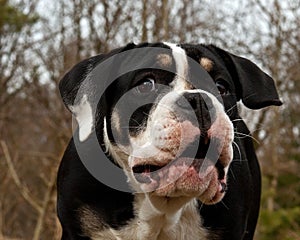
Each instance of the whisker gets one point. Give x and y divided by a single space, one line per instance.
235 105
135 121
247 135
127 127
239 160
147 114
238 148
224 205
238 119
200 207
234 178
250 95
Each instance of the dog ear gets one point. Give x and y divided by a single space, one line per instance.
73 79
257 89
76 98
79 89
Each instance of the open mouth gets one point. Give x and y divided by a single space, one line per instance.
196 157
145 168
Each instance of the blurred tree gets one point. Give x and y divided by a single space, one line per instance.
12 19
19 179
13 30
280 152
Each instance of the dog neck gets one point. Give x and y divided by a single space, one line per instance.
167 218
156 218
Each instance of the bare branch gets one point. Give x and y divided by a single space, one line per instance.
23 189
46 201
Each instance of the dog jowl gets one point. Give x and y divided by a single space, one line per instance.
166 115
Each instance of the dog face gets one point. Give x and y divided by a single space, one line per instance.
168 127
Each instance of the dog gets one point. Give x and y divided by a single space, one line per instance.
167 116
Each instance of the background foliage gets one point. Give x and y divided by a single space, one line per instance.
41 39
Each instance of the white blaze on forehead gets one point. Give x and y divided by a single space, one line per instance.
180 57
84 117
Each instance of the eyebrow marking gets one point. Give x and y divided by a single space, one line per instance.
206 63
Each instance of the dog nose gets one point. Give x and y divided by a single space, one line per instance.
202 106
195 100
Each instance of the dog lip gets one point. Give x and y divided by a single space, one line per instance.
223 186
145 168
143 172
220 169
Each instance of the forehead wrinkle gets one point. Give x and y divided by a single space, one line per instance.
180 57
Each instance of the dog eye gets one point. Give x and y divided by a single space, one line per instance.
147 85
222 87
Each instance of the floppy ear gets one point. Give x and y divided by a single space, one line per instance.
257 88
73 79
80 89
78 99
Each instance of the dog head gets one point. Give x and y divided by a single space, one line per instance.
163 113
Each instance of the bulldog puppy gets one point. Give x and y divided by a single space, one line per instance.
166 114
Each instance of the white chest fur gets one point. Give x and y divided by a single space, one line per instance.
159 219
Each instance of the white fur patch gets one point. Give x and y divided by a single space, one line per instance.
180 57
84 117
156 219
118 152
